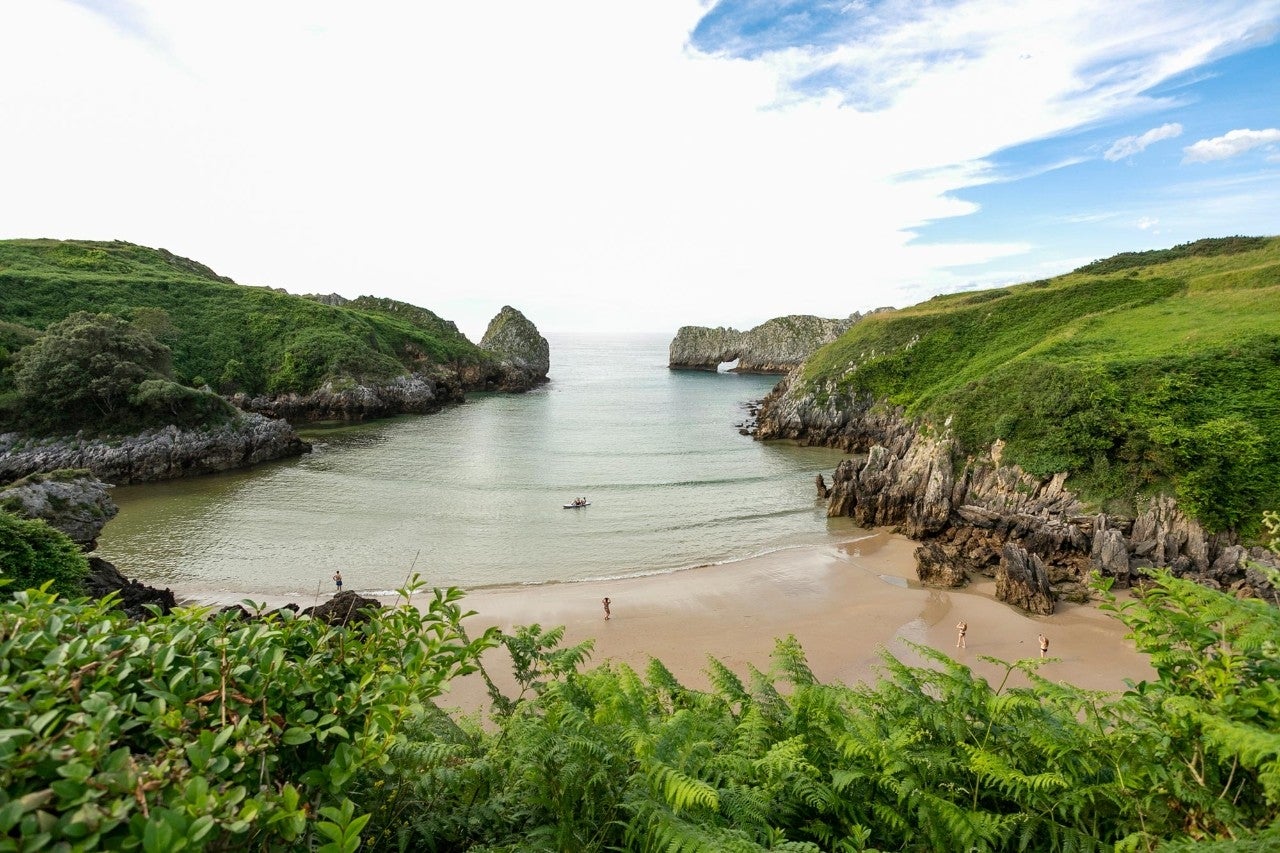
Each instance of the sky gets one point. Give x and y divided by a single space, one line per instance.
617 167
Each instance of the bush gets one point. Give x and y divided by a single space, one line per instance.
160 399
32 553
190 732
85 368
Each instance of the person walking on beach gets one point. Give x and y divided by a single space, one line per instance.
962 627
337 579
1044 645
605 602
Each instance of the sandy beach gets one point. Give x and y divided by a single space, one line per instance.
843 603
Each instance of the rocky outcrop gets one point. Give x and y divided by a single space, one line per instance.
934 567
524 355
1023 581
350 401
155 454
74 502
775 346
969 510
132 597
345 608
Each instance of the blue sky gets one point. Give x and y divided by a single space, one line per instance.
638 167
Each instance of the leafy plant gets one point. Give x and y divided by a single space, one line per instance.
33 554
193 731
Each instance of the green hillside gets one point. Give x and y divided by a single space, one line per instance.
1144 372
233 337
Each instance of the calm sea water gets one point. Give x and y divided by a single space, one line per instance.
473 496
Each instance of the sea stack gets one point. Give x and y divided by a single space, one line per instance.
525 355
775 346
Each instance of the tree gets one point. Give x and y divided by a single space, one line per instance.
84 368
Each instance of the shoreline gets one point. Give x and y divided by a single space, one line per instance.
844 602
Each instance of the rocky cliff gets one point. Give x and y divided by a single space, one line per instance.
74 502
155 454
348 400
976 515
775 346
523 354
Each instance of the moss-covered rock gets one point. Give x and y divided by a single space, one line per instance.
524 353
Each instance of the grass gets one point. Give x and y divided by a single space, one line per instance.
1154 371
233 337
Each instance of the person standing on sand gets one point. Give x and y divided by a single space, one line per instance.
337 579
963 628
605 602
1044 645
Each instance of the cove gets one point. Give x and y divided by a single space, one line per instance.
473 496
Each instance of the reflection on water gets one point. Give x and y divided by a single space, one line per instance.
475 493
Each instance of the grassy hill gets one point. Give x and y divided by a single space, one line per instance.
233 337
1149 371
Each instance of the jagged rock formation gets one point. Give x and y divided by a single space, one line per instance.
969 511
415 393
775 346
154 454
1022 580
74 502
104 578
525 355
344 608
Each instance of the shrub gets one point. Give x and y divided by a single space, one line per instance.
32 553
85 368
190 732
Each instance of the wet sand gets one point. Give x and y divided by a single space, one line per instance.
844 603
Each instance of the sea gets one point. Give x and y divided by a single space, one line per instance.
474 496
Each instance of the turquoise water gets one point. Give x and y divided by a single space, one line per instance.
473 495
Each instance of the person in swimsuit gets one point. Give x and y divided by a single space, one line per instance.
962 627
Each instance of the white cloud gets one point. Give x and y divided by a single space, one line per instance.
1230 144
574 159
1127 146
1147 223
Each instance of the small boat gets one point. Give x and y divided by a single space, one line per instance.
577 505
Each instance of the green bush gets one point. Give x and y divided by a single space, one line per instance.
32 554
159 400
191 732
84 369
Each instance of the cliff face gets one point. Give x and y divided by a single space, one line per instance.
74 502
415 393
974 514
524 355
155 454
775 346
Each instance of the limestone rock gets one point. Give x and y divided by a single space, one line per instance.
823 491
105 578
415 393
1023 581
1111 554
935 567
344 608
74 502
154 454
525 354
775 346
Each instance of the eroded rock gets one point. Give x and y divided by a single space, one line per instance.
1023 581
524 354
72 501
154 454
